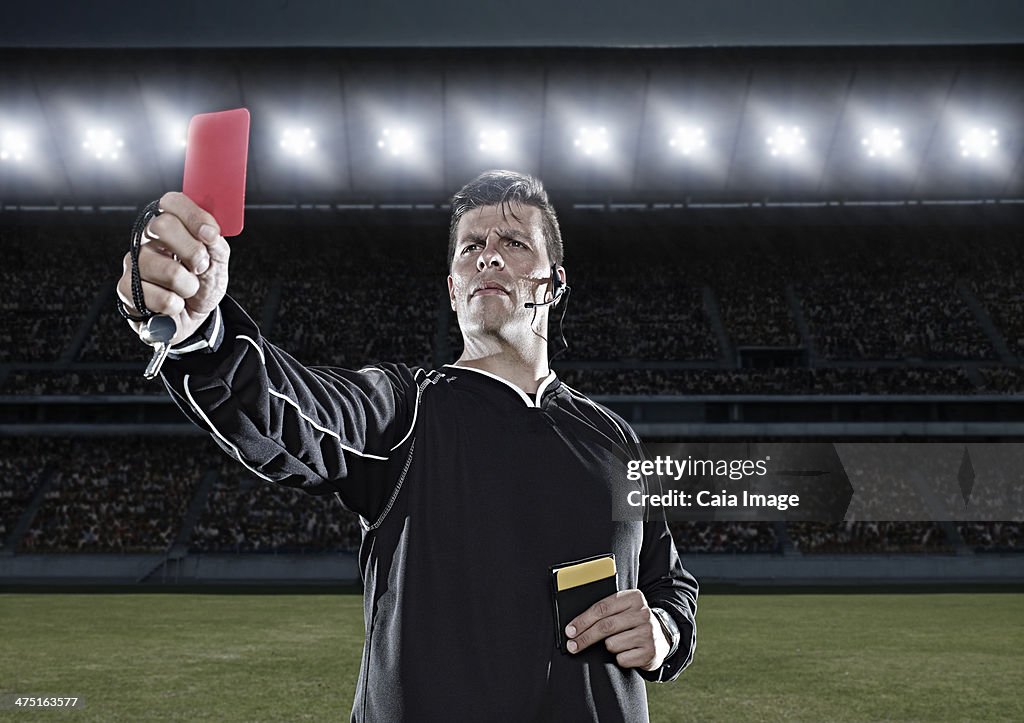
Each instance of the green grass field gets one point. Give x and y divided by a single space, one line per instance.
296 657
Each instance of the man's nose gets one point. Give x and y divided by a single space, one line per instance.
489 257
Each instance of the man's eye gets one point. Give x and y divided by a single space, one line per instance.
513 242
469 247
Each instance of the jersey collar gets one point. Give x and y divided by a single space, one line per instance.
549 383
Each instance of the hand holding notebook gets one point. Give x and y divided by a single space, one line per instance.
617 626
577 586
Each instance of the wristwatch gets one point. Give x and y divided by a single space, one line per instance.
670 627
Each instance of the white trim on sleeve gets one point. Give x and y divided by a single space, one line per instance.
263 359
201 413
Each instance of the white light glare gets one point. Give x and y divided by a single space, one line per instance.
786 141
979 143
103 144
688 139
494 140
592 140
13 146
883 142
177 135
297 141
395 141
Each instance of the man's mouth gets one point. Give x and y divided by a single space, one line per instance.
490 289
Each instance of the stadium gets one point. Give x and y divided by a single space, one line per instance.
801 236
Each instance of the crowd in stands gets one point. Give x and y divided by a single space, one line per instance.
997 281
783 380
358 295
355 298
730 537
83 381
247 515
993 536
888 303
46 299
750 285
891 481
1002 380
645 310
380 326
22 466
758 316
868 537
118 495
362 294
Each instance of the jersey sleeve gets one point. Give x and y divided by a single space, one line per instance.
663 580
323 430
667 585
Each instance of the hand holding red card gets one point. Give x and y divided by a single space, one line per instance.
216 153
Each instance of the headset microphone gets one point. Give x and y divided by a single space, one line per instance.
558 289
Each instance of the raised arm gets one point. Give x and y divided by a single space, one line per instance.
322 430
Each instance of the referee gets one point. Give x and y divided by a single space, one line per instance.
470 481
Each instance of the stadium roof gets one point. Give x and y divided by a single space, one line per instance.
739 97
469 23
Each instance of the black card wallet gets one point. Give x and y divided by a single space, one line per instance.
575 587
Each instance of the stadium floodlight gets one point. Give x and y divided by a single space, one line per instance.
13 145
103 143
882 142
297 141
592 140
177 135
979 143
688 139
786 141
494 140
397 141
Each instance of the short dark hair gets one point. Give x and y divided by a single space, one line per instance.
504 188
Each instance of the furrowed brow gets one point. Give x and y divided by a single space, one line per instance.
513 233
472 238
503 232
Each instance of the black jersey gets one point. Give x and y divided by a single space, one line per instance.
469 490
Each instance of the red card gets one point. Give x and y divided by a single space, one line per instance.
215 158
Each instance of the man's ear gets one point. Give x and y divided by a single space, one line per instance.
451 291
561 274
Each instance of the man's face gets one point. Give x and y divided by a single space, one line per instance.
500 263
